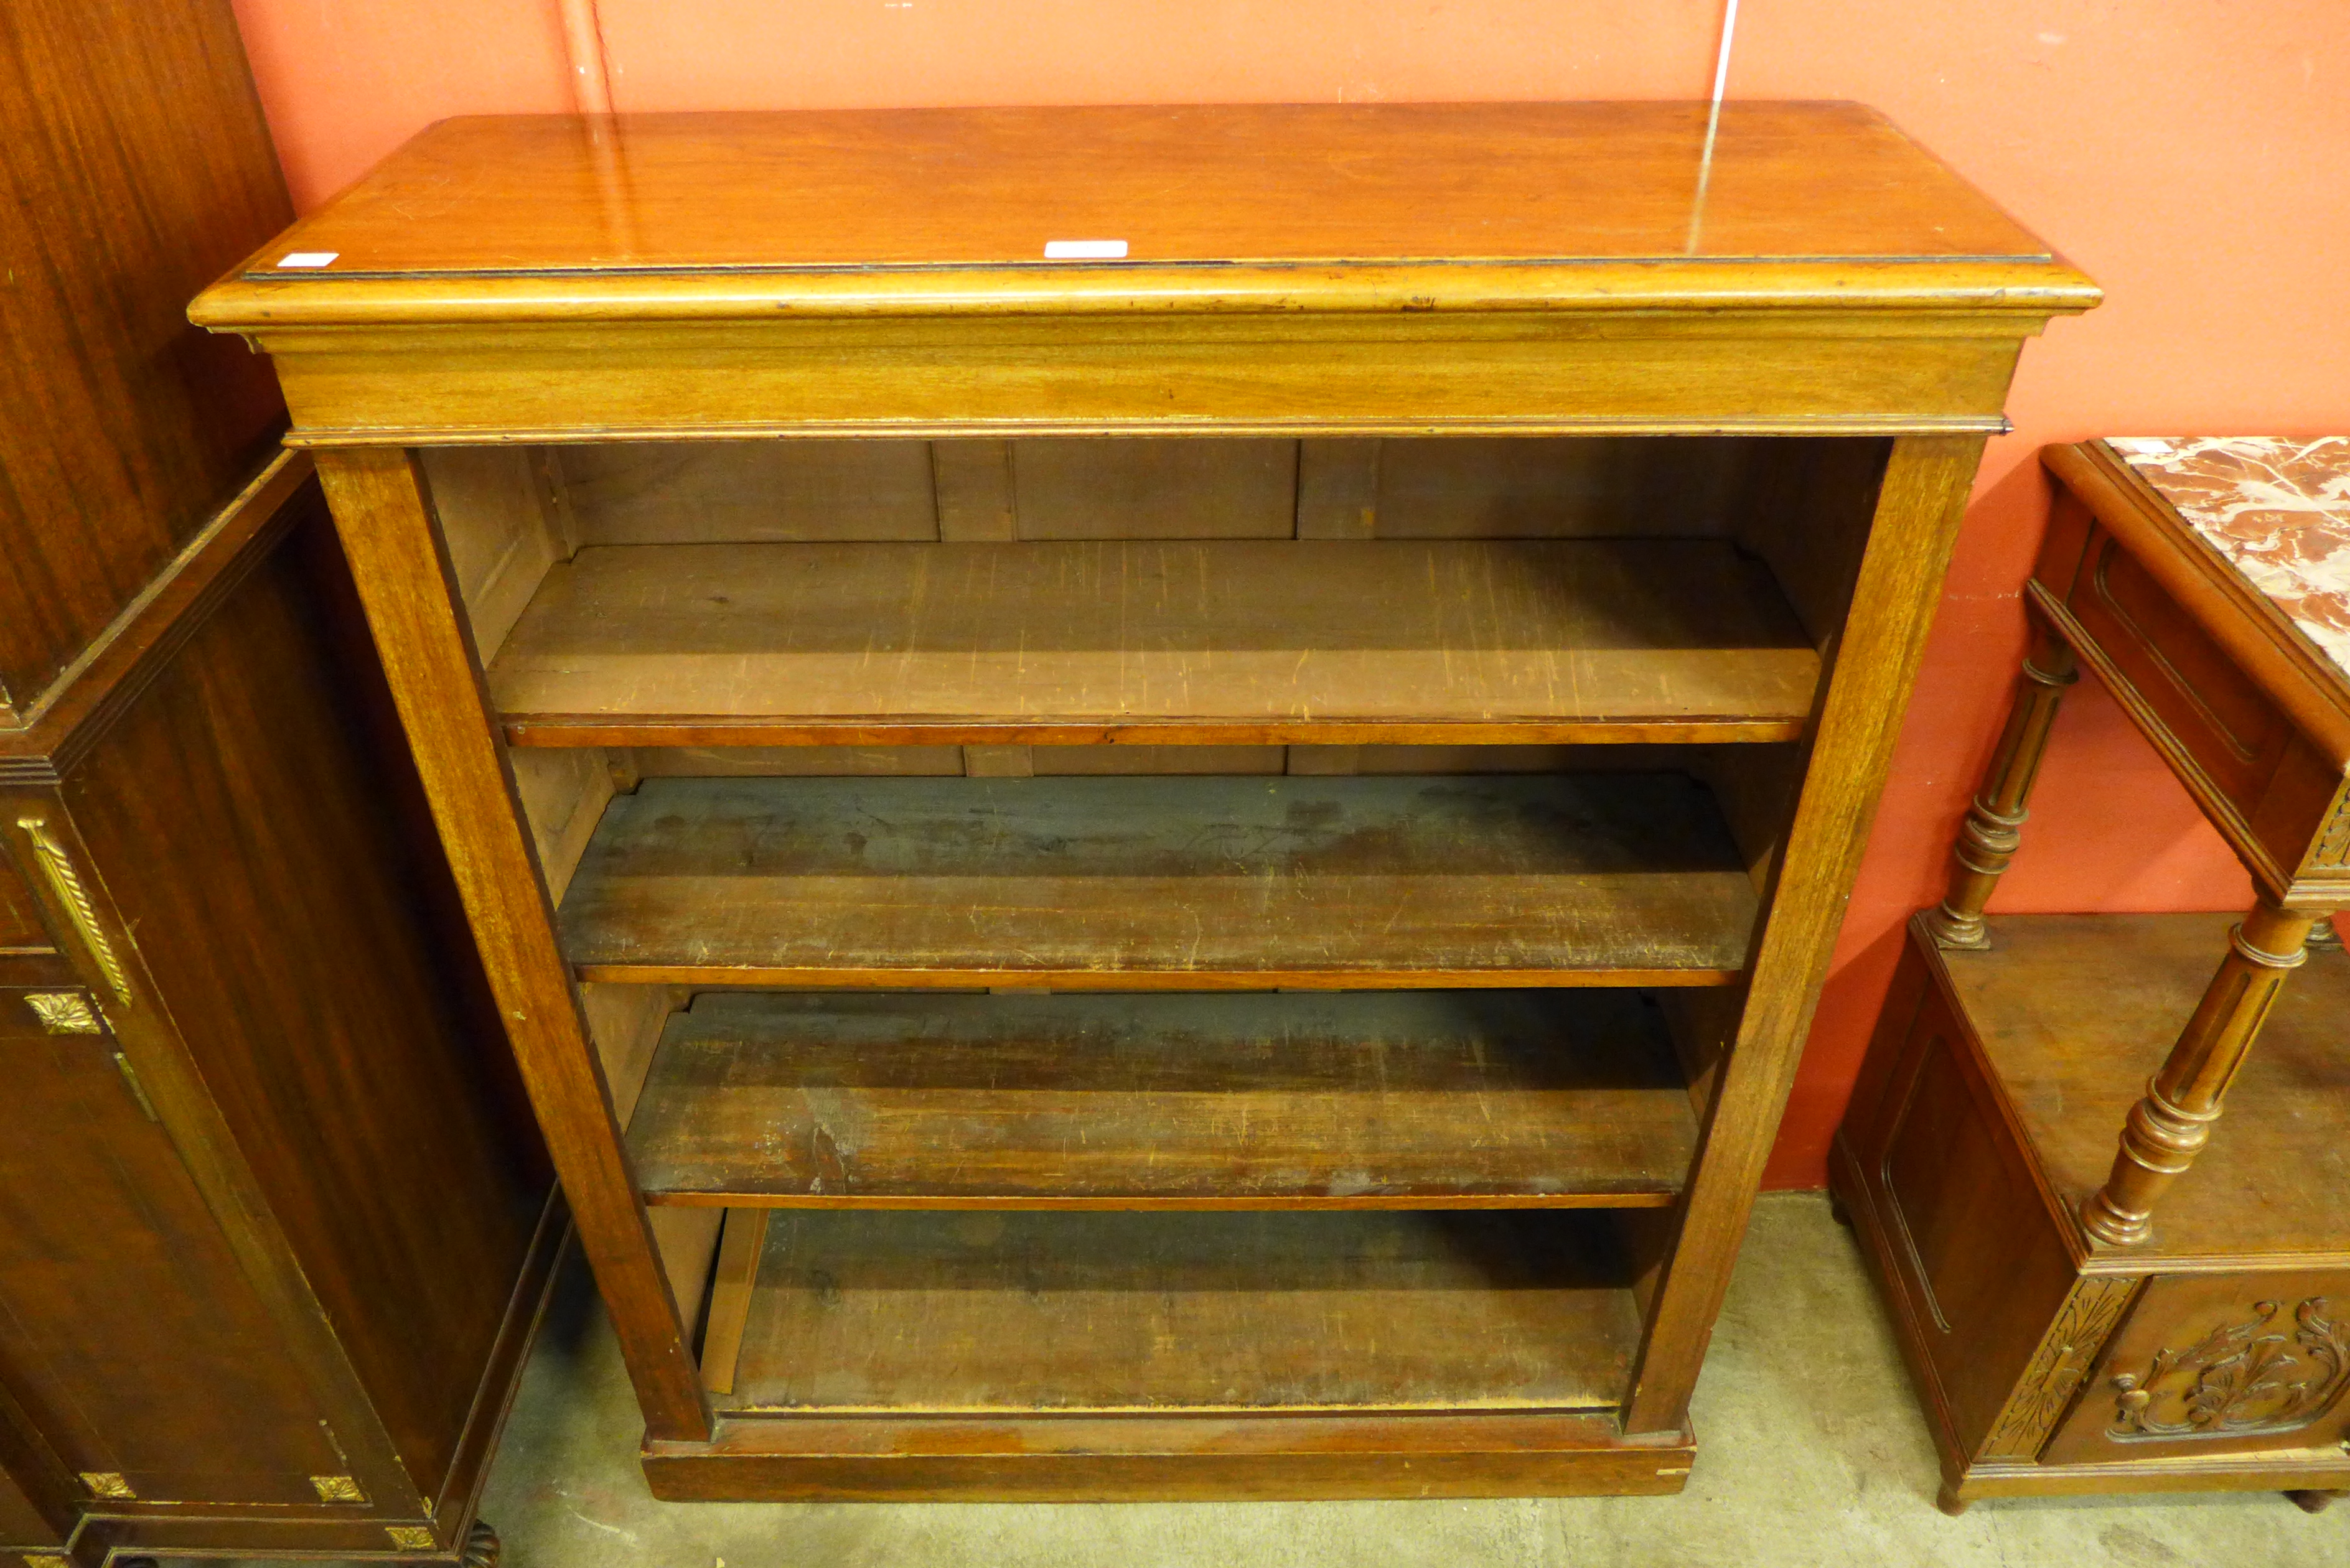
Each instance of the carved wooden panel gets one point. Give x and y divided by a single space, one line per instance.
2332 852
2063 1358
2218 1364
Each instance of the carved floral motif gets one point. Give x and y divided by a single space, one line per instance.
63 1012
2334 843
2239 1380
2071 1347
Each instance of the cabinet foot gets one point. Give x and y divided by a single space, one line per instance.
481 1547
1949 1500
2313 1501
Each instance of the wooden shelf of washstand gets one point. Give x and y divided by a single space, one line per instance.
1135 880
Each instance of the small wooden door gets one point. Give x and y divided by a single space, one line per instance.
128 1333
24 1532
20 923
2210 1365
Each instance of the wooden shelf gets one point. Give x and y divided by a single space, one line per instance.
1021 1314
2074 1013
1397 1099
1210 641
1162 883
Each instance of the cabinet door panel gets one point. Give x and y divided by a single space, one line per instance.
22 1528
20 925
128 1333
2210 1365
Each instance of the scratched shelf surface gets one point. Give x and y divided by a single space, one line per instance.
1019 1313
1363 1099
1167 882
1231 640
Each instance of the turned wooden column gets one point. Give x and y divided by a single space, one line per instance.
2171 1125
1994 828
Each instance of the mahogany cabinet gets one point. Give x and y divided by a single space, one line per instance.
1156 795
275 1223
2103 1283
1987 1113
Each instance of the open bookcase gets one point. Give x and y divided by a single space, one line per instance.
1193 877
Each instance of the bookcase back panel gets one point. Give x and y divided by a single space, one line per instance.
1518 487
673 493
499 528
1111 488
1179 487
798 762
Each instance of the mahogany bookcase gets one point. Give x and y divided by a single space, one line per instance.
1156 794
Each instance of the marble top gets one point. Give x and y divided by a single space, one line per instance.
2277 510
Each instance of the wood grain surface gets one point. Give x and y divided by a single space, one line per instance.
1323 274
1017 1312
363 1078
1398 1099
383 514
108 1253
2075 1012
1889 610
1204 1457
991 187
1235 635
134 166
1166 882
21 932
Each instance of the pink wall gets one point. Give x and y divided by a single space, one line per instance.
2189 154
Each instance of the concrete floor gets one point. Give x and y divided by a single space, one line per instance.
1811 1451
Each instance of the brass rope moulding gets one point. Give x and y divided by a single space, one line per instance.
66 883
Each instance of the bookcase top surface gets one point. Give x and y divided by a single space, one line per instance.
1185 205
